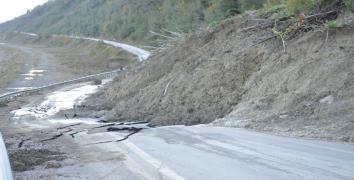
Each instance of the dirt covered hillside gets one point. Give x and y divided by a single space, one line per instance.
239 74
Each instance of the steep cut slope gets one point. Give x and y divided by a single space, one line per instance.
241 68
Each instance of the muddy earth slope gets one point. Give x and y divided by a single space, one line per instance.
239 74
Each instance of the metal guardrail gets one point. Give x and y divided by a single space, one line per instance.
10 96
5 168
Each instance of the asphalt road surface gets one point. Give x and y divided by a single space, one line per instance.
220 153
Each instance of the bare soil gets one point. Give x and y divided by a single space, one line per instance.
25 159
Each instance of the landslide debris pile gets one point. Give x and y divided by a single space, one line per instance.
239 74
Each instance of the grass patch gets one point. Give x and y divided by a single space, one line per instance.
11 62
349 4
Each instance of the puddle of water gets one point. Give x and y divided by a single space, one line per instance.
29 78
74 121
62 99
33 73
20 88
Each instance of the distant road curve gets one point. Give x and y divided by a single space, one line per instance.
141 53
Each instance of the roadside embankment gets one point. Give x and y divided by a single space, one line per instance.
240 67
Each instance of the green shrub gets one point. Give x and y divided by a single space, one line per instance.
270 4
277 11
331 24
295 7
349 4
218 10
100 43
250 4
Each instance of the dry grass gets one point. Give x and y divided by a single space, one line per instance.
90 57
10 64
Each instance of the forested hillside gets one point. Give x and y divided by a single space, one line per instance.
135 20
131 20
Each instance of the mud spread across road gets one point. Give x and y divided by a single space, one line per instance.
29 133
40 142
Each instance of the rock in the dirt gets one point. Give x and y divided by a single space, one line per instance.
98 82
26 159
18 166
54 165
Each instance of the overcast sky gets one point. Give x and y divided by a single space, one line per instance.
10 9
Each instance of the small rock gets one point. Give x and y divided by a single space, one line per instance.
327 100
98 82
53 165
287 130
345 138
283 116
18 166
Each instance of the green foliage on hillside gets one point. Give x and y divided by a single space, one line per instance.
134 20
349 4
130 20
295 7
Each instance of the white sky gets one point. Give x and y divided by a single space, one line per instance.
10 9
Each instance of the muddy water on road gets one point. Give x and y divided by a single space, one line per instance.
43 114
74 135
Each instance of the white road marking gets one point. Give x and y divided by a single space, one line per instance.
163 169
